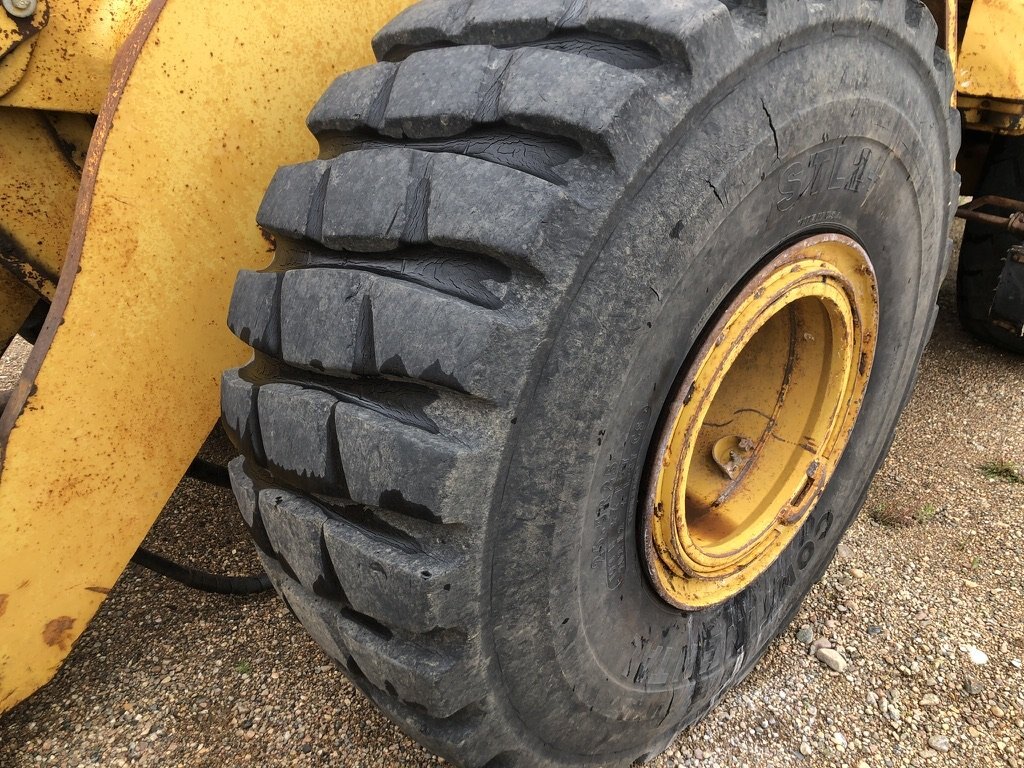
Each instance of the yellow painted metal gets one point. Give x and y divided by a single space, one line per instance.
122 386
14 64
16 302
38 189
990 68
74 133
760 421
70 66
17 39
952 29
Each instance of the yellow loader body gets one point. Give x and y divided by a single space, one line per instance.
199 106
133 231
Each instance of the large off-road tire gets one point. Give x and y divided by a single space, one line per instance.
983 250
521 222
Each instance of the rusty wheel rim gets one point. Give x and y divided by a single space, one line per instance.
759 421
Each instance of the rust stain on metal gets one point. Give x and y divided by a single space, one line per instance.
122 68
3 605
24 268
99 590
270 239
55 632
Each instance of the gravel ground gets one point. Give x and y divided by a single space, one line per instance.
923 605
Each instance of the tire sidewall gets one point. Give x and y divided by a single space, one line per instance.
577 631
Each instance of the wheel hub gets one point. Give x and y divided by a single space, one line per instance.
759 421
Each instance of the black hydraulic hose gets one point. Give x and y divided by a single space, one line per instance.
196 578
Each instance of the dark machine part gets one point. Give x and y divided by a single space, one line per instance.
990 276
1008 305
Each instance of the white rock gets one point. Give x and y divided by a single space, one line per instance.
975 654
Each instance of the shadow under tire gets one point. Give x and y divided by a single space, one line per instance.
522 221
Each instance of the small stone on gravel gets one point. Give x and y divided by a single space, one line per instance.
939 743
821 642
805 635
831 659
929 700
973 687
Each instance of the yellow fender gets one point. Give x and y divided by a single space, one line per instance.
990 68
206 100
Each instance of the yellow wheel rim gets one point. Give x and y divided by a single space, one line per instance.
759 421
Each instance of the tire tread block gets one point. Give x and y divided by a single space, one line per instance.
549 92
426 672
297 426
380 326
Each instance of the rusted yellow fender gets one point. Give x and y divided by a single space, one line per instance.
202 103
